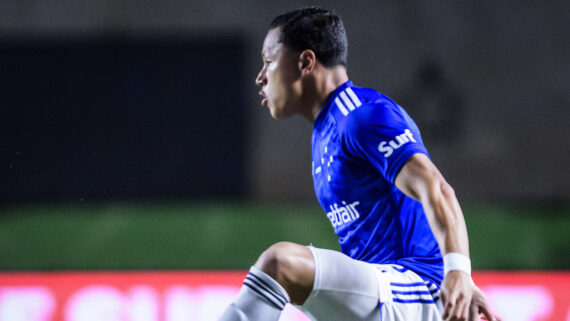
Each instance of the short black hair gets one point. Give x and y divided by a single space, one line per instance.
317 29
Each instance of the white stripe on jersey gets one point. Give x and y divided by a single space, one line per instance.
403 288
340 106
346 101
411 292
353 97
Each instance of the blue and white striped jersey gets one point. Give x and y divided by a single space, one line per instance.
361 139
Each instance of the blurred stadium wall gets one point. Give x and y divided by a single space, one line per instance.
486 81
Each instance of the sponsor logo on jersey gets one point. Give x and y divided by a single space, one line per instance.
346 213
388 147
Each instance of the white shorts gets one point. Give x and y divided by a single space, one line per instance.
349 290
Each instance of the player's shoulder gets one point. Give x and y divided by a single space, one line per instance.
359 108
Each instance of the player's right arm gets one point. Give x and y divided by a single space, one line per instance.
382 133
420 179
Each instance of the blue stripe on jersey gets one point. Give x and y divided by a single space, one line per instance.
412 292
262 285
414 301
399 269
432 286
429 291
407 284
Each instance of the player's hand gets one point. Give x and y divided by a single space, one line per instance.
480 306
456 293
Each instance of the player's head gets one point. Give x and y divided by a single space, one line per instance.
317 29
297 42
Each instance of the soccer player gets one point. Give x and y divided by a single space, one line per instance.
405 252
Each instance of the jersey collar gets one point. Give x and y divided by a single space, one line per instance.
329 102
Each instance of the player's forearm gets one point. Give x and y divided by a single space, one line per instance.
446 218
420 179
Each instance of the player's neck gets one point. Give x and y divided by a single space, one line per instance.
321 86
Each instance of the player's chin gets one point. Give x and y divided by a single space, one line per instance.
277 113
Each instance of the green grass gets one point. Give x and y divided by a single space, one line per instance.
519 237
171 236
226 235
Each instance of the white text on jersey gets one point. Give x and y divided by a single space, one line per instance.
388 147
343 214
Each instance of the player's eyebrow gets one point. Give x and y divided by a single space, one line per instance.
263 54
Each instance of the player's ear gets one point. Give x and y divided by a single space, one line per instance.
307 61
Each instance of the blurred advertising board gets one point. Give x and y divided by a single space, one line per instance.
203 295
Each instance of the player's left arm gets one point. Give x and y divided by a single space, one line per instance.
420 179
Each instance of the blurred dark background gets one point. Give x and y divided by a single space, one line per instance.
147 102
114 118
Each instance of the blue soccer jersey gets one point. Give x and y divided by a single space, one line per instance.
361 139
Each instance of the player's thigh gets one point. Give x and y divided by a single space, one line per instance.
347 289
344 289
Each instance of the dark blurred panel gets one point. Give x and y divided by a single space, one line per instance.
121 118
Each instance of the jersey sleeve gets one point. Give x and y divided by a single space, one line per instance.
383 134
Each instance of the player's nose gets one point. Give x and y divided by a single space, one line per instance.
261 80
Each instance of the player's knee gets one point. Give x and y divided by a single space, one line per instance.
276 259
287 262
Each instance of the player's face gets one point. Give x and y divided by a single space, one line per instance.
279 78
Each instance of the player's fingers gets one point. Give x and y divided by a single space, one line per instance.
443 297
445 303
473 313
447 311
487 315
453 310
461 310
465 311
